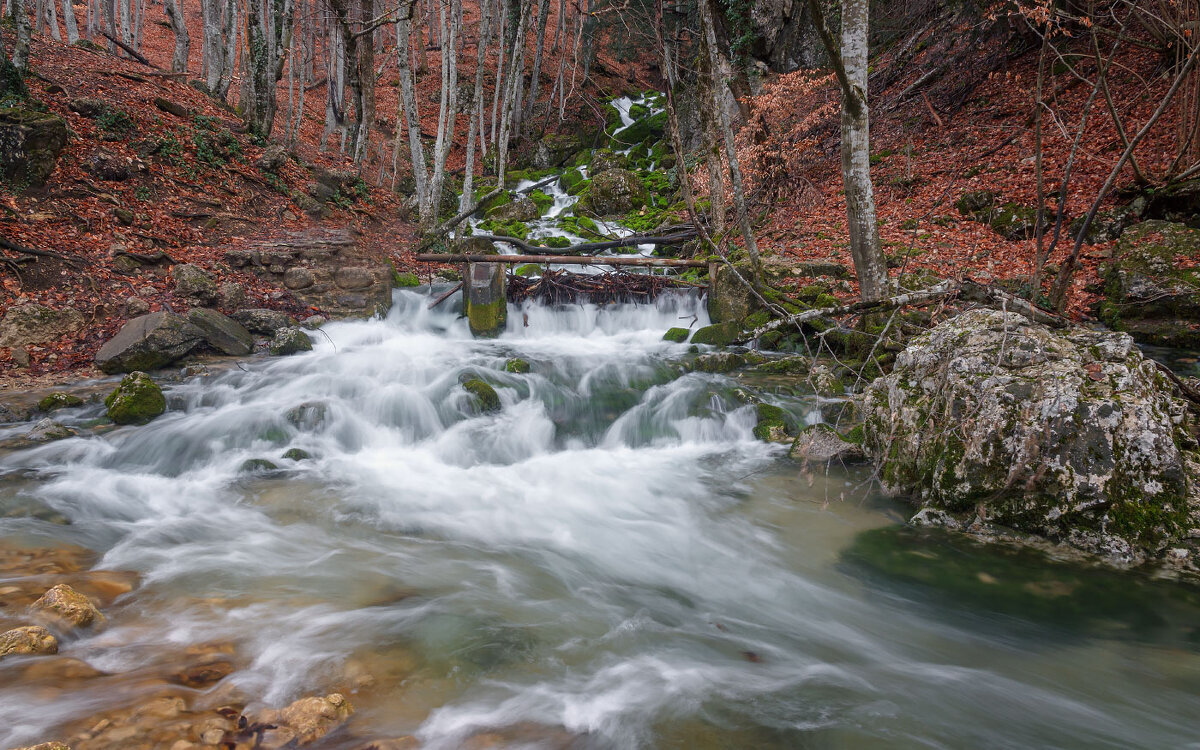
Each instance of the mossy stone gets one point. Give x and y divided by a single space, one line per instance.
257 466
516 365
405 279
297 454
718 334
486 398
58 400
676 335
137 400
772 423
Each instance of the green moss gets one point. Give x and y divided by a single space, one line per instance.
405 279
58 400
137 400
772 422
486 398
676 335
516 365
488 321
541 200
297 454
555 242
257 466
528 269
581 226
718 334
514 228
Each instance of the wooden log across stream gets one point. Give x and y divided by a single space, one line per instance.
564 260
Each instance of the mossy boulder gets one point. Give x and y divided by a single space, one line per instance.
486 399
543 202
30 142
571 179
137 400
58 400
405 279
289 341
729 299
1010 220
257 466
821 444
717 334
521 209
554 149
613 192
1152 285
604 159
516 365
1179 203
771 424
1071 435
297 454
651 127
677 335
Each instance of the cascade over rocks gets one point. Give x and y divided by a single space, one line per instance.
1072 435
149 342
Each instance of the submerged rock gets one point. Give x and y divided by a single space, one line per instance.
1073 435
47 430
149 342
27 641
305 721
516 365
137 400
68 608
821 443
486 398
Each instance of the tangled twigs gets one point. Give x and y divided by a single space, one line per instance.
563 287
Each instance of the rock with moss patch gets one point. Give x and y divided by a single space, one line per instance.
573 181
486 399
772 424
297 454
719 362
149 342
59 400
1072 435
516 365
289 341
1152 284
47 430
717 334
194 284
405 279
677 335
604 159
522 209
729 298
613 192
30 142
137 400
36 324
257 466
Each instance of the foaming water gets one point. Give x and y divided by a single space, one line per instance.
611 555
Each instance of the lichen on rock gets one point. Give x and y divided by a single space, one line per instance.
67 608
29 640
1071 435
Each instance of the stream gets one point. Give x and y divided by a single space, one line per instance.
611 557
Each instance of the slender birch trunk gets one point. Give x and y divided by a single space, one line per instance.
183 43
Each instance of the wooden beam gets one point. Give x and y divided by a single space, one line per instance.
564 260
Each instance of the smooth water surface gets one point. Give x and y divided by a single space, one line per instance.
612 554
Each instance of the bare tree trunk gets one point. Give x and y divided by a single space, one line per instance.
20 56
407 103
229 59
449 29
268 37
536 70
335 76
723 120
183 43
850 66
68 13
475 125
52 20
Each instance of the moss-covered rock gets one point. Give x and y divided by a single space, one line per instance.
297 454
516 365
30 142
486 399
257 466
59 400
543 202
729 299
573 181
1152 285
651 127
717 334
1012 221
604 159
772 424
614 192
405 279
289 341
821 443
1070 435
137 400
677 335
519 210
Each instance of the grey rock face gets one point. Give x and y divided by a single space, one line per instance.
289 341
262 321
821 444
1071 435
30 143
193 283
34 324
149 342
222 332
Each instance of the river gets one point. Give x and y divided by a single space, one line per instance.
612 556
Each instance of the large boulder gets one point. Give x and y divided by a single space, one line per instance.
221 332
553 150
615 191
604 159
35 324
651 126
1075 436
521 209
1179 202
262 321
149 342
137 400
1152 285
30 143
289 341
729 298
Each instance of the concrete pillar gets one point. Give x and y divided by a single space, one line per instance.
485 299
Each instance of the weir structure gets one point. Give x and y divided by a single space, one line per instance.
485 299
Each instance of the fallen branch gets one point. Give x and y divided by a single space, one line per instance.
443 297
587 247
14 247
937 291
1190 393
136 55
442 229
542 183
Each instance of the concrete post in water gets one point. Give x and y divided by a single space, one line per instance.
485 300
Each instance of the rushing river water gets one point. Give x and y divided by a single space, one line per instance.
612 555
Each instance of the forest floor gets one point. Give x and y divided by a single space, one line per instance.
191 204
